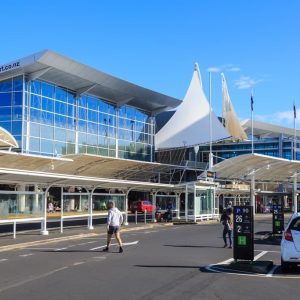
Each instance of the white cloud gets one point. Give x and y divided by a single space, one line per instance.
223 68
285 118
246 82
214 70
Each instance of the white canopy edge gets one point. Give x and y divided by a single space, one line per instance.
7 139
190 124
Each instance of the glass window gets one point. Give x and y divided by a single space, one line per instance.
35 129
17 113
34 144
70 123
60 149
47 146
82 149
47 104
17 98
48 90
18 83
91 139
6 125
5 99
17 128
5 113
92 116
81 138
70 148
60 134
103 141
70 136
92 150
60 108
47 132
35 101
82 101
61 94
82 113
71 111
6 85
60 121
92 127
71 98
47 118
82 125
35 86
92 103
35 115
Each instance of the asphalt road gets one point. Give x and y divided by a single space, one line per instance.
159 262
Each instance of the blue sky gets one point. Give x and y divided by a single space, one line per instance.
155 44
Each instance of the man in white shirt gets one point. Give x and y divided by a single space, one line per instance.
114 222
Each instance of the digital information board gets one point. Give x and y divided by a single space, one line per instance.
243 244
278 219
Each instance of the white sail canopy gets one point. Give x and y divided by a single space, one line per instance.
190 123
232 124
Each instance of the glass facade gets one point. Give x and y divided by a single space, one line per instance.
53 121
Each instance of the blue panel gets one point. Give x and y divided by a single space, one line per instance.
47 132
35 86
17 128
60 108
6 85
6 125
5 99
5 113
47 146
70 136
17 98
17 113
47 118
47 104
61 94
35 101
60 134
18 83
34 129
48 90
35 115
34 144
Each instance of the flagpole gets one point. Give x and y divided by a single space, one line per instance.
210 128
294 144
252 142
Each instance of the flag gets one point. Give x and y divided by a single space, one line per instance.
252 102
295 113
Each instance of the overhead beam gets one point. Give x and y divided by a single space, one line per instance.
159 110
124 101
37 74
84 89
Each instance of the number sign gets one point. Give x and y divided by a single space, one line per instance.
243 245
278 219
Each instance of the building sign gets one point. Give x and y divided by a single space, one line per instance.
210 174
278 219
243 244
10 66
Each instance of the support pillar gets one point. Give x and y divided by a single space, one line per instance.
153 207
252 193
295 206
186 203
126 208
21 198
177 206
44 230
35 204
90 219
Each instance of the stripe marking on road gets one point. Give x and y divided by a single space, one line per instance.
260 255
124 244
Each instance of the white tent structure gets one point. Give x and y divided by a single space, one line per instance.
232 124
190 124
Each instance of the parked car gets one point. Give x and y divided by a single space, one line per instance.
141 206
290 243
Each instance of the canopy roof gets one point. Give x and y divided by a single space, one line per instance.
265 168
190 124
58 69
83 169
263 130
6 139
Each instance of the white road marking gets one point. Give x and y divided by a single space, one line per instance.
92 242
3 259
260 255
25 255
271 272
59 249
226 262
78 263
146 232
124 244
271 251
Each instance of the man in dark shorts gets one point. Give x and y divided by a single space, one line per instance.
114 222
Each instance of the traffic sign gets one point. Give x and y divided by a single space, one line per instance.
243 244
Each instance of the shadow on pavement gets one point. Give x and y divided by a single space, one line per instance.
193 246
169 267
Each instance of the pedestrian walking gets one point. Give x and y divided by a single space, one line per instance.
114 222
226 220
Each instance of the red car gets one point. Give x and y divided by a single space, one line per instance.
141 206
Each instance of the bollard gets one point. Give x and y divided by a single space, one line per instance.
15 229
145 216
61 225
136 217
